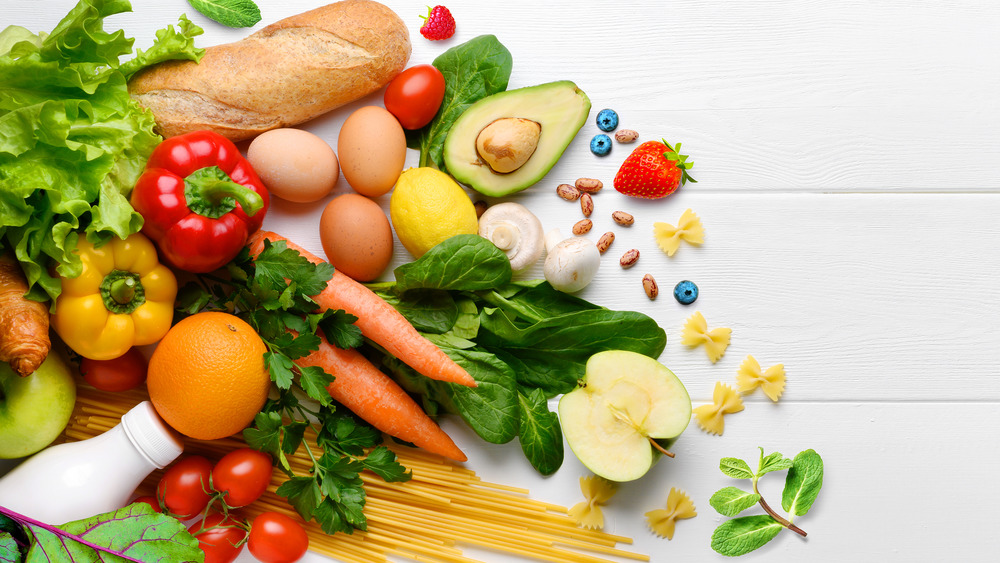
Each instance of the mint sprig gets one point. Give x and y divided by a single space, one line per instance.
230 13
742 535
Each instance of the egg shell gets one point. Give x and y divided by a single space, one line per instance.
372 149
356 236
294 164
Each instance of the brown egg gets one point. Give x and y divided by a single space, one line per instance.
356 236
372 149
295 165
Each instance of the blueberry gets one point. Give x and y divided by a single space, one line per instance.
607 120
685 292
600 145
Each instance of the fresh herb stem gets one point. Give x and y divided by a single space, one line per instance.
777 517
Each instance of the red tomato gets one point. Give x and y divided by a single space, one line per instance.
184 487
219 537
120 374
151 501
415 96
276 538
243 475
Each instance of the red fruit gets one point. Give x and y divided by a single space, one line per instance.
440 24
653 170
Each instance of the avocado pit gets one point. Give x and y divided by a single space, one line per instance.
507 143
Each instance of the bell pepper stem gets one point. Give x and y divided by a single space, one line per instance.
123 290
218 190
210 192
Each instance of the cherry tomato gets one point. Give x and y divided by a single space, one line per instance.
219 537
415 96
184 487
151 501
276 538
243 475
120 374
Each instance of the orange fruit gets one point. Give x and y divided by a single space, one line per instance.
207 377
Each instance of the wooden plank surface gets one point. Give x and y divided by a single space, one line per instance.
848 183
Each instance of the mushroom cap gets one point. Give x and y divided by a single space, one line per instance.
516 231
572 264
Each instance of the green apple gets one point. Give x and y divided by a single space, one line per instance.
627 410
34 409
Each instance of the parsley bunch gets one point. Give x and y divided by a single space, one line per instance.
272 293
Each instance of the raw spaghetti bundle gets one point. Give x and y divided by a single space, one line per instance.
425 519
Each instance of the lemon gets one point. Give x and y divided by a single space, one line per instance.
428 207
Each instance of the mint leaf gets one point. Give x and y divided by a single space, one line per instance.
735 468
803 483
740 536
772 462
730 501
230 13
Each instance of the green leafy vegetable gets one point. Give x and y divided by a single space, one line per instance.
133 533
473 70
72 141
523 342
230 13
745 534
272 293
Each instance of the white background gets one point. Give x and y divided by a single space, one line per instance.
847 163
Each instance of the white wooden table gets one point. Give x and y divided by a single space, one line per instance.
847 163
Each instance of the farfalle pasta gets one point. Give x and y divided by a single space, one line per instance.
696 333
689 229
679 506
771 381
725 400
596 491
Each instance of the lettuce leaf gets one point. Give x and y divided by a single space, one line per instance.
72 141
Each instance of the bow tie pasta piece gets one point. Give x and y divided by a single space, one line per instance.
725 401
679 507
771 380
696 333
688 229
596 492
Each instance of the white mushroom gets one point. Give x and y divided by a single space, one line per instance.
514 230
571 263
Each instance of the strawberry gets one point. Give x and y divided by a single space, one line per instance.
653 170
440 24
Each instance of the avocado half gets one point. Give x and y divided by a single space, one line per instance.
559 108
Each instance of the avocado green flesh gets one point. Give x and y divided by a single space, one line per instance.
560 107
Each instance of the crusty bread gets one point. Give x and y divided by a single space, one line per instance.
285 74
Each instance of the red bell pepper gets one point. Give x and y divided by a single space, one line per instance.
200 200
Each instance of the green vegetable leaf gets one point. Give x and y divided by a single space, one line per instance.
473 70
462 262
540 434
735 468
730 501
303 493
9 552
428 310
382 462
772 462
170 45
339 329
280 367
230 13
740 536
314 381
265 436
803 482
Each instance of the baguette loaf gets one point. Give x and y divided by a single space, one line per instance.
286 73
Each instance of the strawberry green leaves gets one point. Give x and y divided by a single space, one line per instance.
742 535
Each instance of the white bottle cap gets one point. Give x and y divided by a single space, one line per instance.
151 436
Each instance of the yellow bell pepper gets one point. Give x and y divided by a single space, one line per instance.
124 297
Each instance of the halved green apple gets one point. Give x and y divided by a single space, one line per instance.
627 410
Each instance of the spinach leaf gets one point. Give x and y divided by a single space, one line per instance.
428 310
540 435
463 262
473 70
551 354
535 302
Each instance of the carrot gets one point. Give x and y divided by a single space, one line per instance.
377 319
375 397
24 324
